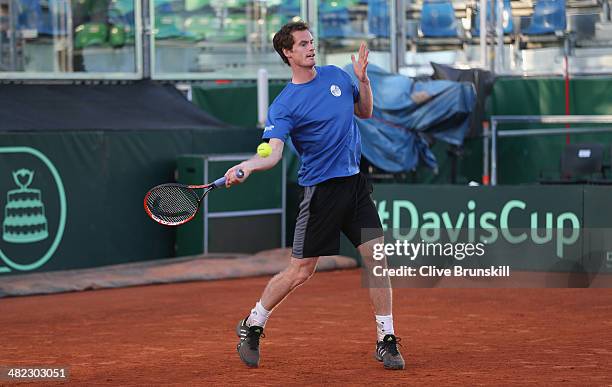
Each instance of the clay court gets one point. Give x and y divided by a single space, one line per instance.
183 334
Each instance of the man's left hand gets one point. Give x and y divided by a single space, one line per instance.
361 64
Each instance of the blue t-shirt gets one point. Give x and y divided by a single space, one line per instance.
318 115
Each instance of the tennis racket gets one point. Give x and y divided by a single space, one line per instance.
175 204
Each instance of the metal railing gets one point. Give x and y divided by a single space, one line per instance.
548 119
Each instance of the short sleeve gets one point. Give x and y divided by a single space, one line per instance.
279 122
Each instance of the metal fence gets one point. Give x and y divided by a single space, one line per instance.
495 132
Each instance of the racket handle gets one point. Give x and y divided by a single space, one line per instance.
220 182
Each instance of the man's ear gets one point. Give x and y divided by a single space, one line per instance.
287 52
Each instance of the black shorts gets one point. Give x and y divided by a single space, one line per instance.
339 204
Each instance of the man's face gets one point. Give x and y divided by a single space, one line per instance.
303 52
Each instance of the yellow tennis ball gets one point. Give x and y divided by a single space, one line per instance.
264 149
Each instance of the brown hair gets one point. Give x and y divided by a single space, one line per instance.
284 40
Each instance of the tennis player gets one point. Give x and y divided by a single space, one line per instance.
316 109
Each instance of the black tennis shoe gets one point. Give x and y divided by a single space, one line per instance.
387 352
248 346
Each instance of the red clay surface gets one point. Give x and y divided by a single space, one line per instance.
183 334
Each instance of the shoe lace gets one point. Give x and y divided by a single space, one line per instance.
391 346
253 338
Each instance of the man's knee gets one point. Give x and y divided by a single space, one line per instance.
302 269
303 276
371 252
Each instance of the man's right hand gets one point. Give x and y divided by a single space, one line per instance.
232 179
255 163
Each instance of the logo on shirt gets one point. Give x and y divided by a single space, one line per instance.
335 90
268 128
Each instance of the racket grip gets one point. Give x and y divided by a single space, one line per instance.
220 182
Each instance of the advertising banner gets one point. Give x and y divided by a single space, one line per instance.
487 232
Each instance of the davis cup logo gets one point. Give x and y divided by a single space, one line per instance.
335 90
33 201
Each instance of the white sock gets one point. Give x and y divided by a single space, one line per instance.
259 315
384 326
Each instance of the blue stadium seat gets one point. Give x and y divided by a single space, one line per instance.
168 22
507 22
32 16
334 24
288 10
121 17
121 12
334 19
548 17
438 19
169 6
378 18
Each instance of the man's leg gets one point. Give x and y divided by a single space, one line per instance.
298 272
251 328
380 287
381 296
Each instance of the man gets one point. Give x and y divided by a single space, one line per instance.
316 109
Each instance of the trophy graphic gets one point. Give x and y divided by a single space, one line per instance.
24 213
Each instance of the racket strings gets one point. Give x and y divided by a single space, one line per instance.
173 204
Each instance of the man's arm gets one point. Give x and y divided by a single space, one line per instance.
363 107
256 163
